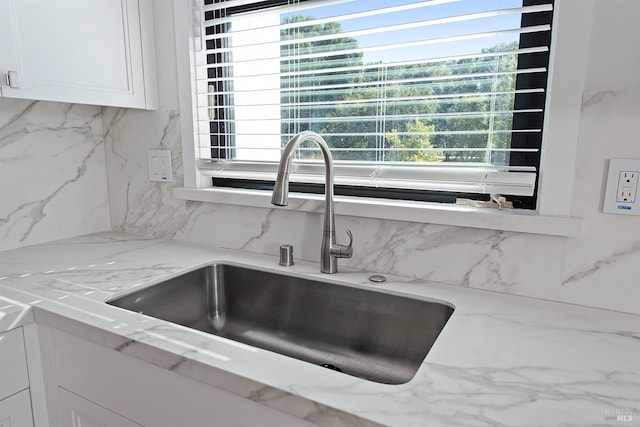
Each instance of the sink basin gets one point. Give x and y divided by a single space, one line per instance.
365 333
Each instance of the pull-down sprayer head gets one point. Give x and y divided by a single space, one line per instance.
280 195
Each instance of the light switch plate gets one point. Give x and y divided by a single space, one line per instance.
160 165
621 194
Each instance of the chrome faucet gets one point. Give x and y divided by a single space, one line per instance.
330 250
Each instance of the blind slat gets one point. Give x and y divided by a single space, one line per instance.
472 78
391 46
367 134
390 117
394 77
376 13
389 149
416 98
402 100
378 29
333 66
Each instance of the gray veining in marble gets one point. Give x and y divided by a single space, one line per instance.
547 267
601 268
51 158
501 359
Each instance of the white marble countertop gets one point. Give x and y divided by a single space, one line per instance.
501 359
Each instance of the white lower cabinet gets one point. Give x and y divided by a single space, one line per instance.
78 412
13 363
98 386
15 411
15 400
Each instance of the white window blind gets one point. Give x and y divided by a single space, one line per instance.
439 95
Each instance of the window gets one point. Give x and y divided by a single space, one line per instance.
422 100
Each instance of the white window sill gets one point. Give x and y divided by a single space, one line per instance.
433 213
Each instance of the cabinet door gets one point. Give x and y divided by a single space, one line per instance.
13 363
77 51
79 412
15 411
150 395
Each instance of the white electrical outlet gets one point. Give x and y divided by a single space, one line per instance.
627 187
160 165
621 194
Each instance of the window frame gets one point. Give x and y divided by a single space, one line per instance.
567 71
525 140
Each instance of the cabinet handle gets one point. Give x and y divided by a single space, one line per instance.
11 78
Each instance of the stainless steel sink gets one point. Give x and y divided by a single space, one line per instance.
365 333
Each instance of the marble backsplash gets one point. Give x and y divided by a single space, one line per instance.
601 266
54 157
592 270
485 259
53 185
52 172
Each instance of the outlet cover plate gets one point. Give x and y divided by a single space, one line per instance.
617 169
160 165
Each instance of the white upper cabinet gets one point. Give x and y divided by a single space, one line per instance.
97 52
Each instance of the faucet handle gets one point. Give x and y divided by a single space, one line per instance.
343 251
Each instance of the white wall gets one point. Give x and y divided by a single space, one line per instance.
52 172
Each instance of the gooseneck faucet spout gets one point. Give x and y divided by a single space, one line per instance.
330 250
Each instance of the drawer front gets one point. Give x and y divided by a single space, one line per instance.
15 411
13 363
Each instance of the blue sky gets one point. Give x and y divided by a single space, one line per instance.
426 13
